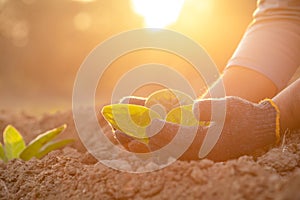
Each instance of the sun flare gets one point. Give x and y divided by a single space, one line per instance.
158 13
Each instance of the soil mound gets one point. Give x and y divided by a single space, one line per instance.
72 173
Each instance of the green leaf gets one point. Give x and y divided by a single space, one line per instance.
182 115
53 146
35 145
167 99
13 142
130 119
2 153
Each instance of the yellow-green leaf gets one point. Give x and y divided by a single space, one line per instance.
35 145
130 119
52 147
2 153
13 142
167 99
184 115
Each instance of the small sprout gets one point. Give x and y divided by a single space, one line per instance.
13 142
15 147
182 115
53 146
130 119
2 153
134 119
35 145
168 99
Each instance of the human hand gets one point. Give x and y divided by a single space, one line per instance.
161 101
248 127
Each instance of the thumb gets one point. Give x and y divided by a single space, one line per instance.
123 139
138 147
130 143
204 108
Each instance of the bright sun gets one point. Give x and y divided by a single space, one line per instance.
158 13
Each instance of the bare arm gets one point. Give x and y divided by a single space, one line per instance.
268 54
288 102
248 84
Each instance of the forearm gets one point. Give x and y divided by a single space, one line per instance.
288 102
268 54
247 84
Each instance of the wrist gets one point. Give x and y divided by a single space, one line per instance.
272 105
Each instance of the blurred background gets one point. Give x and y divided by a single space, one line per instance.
44 42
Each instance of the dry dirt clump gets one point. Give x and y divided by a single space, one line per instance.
71 173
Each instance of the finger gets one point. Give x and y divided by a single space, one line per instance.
192 153
133 100
205 109
185 140
160 133
202 109
123 139
138 147
131 144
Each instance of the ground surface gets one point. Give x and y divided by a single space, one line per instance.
74 174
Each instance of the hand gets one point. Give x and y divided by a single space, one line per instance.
248 128
163 132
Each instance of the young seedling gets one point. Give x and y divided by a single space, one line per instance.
130 119
15 147
134 119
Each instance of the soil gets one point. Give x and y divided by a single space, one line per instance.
72 173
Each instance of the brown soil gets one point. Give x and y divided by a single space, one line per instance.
72 173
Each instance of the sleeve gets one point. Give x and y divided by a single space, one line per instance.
271 44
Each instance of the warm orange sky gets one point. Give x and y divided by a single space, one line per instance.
43 43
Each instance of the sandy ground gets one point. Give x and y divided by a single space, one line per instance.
72 173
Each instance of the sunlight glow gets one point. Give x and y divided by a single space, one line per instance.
158 13
82 21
